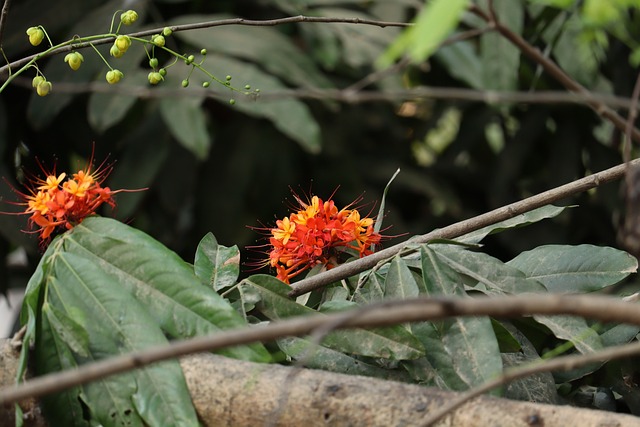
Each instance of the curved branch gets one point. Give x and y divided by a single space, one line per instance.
604 309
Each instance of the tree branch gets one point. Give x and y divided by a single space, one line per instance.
555 71
463 227
209 24
3 19
604 309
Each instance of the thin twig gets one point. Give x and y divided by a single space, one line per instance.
344 95
210 24
564 363
602 308
463 227
555 71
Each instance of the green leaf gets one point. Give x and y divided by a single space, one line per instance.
215 264
51 354
575 269
187 122
584 338
501 58
117 324
70 332
436 20
470 343
440 367
319 357
372 289
462 62
159 280
545 212
491 274
393 342
399 282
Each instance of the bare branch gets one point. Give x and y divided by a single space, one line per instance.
605 309
209 24
463 227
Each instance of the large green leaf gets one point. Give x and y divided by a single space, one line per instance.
470 343
500 57
52 354
107 321
462 62
393 342
575 269
491 274
318 357
545 212
399 282
574 329
439 366
215 264
159 280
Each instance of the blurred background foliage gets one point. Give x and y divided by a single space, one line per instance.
215 167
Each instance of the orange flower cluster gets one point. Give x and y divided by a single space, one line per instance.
60 202
315 234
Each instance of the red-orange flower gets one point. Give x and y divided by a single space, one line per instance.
59 202
315 234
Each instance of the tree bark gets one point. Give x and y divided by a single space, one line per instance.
229 392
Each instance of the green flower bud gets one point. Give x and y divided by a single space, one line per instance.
163 72
228 78
115 52
37 80
185 83
205 84
36 35
153 63
122 43
167 31
158 40
74 59
232 101
155 77
247 87
114 76
203 52
129 17
44 88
